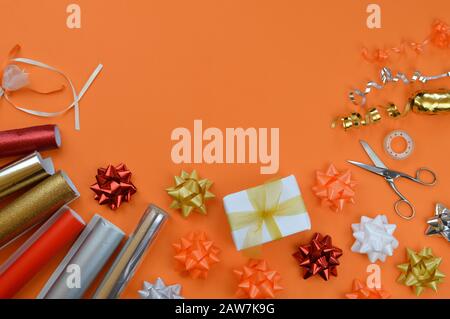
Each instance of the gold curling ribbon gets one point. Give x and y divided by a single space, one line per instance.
432 103
265 200
421 270
355 119
423 102
393 111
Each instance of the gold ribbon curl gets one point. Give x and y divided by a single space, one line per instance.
266 203
355 119
423 102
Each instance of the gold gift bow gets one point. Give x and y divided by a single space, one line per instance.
421 270
190 193
265 200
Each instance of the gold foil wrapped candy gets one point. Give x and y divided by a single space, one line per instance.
421 270
190 193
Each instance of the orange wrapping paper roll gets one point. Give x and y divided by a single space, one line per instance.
59 231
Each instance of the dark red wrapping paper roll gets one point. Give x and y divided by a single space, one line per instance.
27 140
52 237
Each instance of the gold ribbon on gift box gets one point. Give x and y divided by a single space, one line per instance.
266 203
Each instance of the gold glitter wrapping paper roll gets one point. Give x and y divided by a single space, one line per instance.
425 102
24 172
35 206
131 254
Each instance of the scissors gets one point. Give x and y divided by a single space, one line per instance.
390 176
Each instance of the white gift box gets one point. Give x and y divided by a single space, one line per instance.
287 225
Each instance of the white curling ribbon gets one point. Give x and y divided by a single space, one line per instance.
374 238
15 79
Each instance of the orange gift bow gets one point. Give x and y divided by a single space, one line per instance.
361 291
334 188
195 254
14 79
256 280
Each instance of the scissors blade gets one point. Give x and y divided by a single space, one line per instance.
376 170
374 157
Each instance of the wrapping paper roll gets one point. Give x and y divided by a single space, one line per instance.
131 254
85 259
35 206
26 140
60 230
24 172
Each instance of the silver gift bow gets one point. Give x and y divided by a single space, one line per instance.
387 76
159 290
440 223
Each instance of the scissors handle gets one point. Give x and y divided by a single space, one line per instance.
402 200
420 177
411 208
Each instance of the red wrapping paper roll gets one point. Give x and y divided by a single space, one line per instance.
27 140
54 236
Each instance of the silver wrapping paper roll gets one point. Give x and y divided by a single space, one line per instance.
86 258
131 254
24 172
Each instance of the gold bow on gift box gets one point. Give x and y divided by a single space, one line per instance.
266 203
421 270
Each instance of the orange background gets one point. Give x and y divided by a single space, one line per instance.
286 64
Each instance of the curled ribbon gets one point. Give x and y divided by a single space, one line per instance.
266 203
355 119
15 79
439 37
421 270
387 76
422 102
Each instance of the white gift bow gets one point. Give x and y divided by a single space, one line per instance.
76 98
374 237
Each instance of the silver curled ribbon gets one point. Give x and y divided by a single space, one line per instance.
387 76
4 89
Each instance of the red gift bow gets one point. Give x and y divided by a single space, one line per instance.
113 186
319 257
